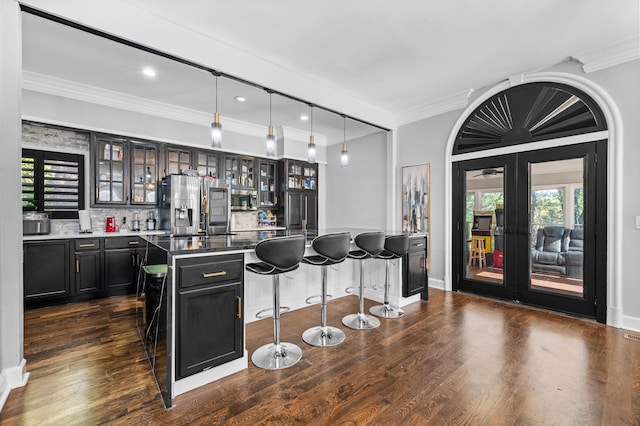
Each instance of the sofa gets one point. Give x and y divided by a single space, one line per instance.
558 249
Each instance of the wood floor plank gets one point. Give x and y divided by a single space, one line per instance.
456 359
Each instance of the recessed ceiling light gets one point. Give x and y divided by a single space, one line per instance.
304 117
149 72
240 98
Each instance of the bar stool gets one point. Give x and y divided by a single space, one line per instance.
477 252
395 246
331 249
277 255
370 244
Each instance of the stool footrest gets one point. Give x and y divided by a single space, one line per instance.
263 312
312 300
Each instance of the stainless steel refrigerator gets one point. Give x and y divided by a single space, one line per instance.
180 204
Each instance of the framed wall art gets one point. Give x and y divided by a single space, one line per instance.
416 194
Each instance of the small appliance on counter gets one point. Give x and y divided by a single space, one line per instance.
135 224
35 223
110 224
151 221
244 199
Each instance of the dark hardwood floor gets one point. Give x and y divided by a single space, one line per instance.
456 359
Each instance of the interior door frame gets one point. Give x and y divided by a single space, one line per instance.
517 258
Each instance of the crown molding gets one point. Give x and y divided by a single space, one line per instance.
86 93
289 133
458 100
623 51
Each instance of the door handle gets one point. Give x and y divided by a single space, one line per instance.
239 300
77 266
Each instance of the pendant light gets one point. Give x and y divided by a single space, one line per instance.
216 127
344 154
271 138
312 145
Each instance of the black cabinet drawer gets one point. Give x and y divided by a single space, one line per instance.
85 244
417 243
211 270
122 242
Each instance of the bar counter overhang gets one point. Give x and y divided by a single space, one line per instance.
161 343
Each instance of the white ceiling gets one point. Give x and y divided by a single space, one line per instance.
399 55
396 56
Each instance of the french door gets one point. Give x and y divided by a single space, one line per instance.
531 227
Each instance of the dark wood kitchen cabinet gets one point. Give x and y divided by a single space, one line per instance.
299 191
121 263
210 328
46 270
88 267
301 211
414 268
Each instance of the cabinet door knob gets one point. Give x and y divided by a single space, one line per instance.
214 274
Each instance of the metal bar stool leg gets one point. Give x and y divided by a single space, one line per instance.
277 355
323 335
361 321
386 310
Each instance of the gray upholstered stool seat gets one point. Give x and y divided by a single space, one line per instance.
331 249
277 255
395 246
370 245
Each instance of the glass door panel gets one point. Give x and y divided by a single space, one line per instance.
484 225
556 218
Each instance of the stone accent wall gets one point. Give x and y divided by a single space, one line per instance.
48 138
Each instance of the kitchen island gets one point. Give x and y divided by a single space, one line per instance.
192 321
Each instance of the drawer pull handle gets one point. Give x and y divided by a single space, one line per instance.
87 245
419 245
214 274
239 300
133 243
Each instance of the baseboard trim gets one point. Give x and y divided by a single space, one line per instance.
630 323
435 283
11 378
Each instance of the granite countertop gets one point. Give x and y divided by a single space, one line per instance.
240 240
90 235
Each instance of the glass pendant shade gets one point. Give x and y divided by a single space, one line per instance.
216 131
271 143
312 150
344 156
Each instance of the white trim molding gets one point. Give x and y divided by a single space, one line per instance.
11 378
55 86
615 315
453 102
626 50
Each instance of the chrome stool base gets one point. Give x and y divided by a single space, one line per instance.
386 311
272 358
361 321
323 336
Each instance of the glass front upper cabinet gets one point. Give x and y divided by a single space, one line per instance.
207 164
110 185
267 183
301 175
144 173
